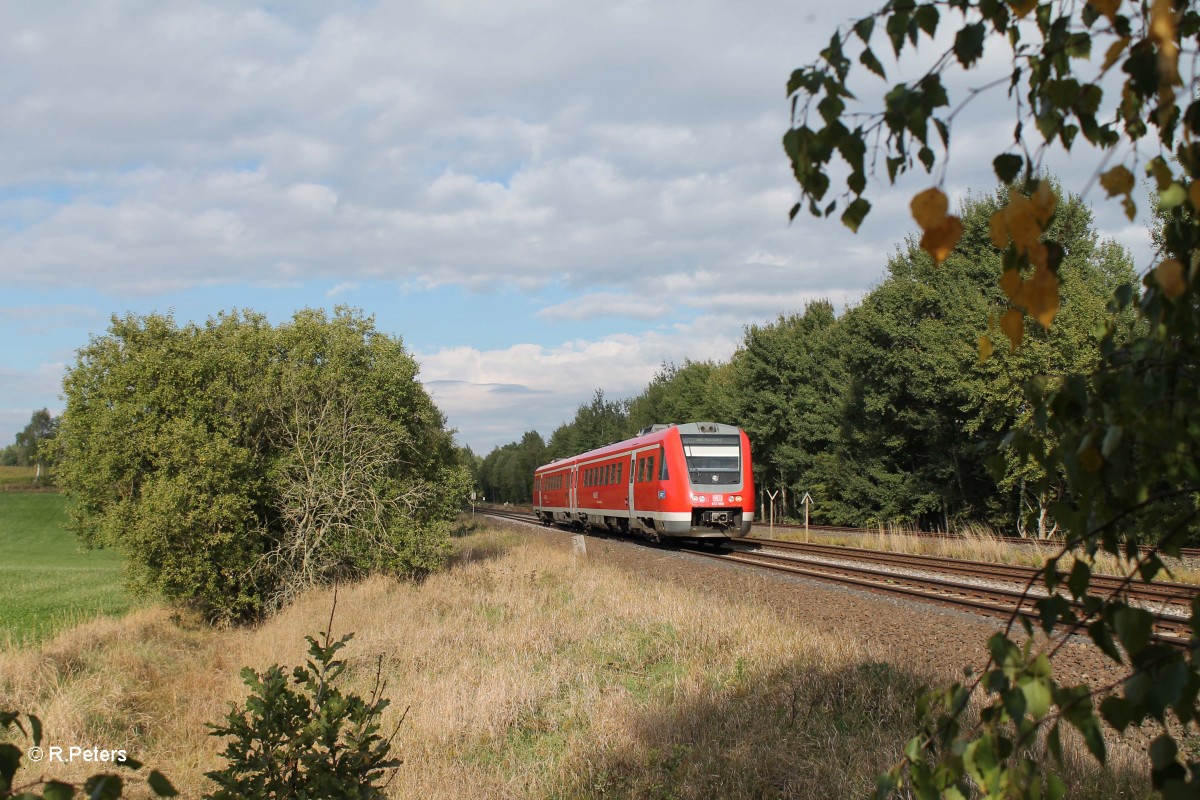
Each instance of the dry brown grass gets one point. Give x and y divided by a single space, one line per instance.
528 674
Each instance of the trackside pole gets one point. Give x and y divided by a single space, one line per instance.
773 495
807 501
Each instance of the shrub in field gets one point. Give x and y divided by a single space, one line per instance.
306 739
236 463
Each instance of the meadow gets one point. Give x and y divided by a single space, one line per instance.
521 671
47 583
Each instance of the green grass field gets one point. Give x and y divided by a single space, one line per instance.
46 581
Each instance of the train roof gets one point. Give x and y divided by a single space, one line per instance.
655 433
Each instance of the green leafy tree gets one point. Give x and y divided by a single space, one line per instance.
697 390
1124 436
596 424
507 472
34 444
789 383
236 463
923 414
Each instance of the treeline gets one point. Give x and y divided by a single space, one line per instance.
886 414
34 444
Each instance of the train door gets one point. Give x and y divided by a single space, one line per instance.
573 496
632 471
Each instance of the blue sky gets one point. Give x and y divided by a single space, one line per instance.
540 199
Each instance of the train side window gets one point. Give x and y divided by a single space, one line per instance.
617 479
662 458
650 468
641 470
607 474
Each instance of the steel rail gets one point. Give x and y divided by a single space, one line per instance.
1171 629
1185 553
1156 591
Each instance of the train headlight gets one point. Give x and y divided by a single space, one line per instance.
737 498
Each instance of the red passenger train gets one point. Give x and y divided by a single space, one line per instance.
690 481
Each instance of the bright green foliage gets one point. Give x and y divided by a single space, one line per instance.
102 786
235 463
788 380
1112 453
304 737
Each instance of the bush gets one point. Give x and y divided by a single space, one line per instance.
311 741
235 464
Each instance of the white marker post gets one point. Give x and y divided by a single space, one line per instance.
773 495
807 501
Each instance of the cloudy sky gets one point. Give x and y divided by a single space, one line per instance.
539 198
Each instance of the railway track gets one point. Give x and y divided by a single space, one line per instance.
1191 554
1168 627
1171 625
1157 592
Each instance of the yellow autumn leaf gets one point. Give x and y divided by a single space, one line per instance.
1113 53
1106 7
1044 203
1010 282
1162 32
1022 7
1117 180
1169 277
929 208
1039 256
1090 459
999 230
985 349
939 240
1041 296
1013 325
1161 172
1022 223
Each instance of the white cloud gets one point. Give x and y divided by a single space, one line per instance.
627 154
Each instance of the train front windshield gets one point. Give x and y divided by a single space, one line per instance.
713 459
